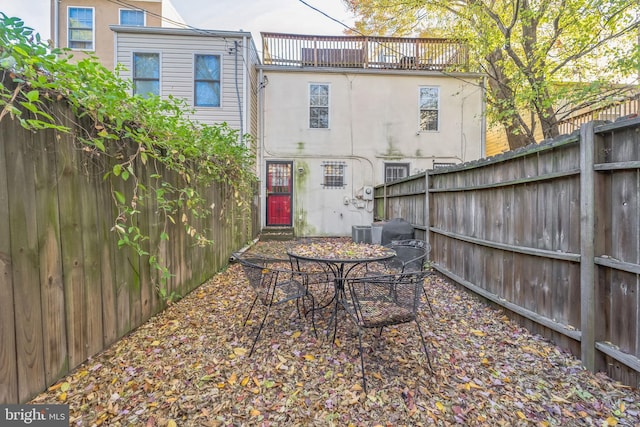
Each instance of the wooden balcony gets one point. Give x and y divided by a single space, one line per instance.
296 50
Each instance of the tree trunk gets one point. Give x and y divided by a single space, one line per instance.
518 135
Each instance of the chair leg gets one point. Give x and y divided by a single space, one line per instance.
255 340
250 310
424 345
364 380
424 291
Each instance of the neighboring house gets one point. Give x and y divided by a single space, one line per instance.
340 115
83 25
626 104
214 71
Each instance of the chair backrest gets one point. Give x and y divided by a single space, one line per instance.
377 301
272 279
408 258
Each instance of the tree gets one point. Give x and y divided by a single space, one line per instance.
544 59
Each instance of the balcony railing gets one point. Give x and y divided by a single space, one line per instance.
296 50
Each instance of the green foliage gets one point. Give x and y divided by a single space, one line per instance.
547 57
134 132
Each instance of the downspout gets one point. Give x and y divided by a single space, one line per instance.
56 23
260 152
238 93
245 78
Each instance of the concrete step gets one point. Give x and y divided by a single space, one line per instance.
277 233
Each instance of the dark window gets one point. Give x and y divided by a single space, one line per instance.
207 81
146 74
333 174
80 33
132 17
319 106
395 171
429 108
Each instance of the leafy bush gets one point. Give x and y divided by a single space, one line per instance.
132 129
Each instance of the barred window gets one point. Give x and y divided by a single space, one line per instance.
395 171
333 174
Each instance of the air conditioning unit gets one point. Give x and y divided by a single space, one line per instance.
367 193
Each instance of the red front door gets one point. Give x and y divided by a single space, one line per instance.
279 193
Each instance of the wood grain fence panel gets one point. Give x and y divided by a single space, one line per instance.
71 207
8 351
107 249
25 264
50 258
91 254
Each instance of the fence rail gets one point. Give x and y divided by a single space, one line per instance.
67 291
550 233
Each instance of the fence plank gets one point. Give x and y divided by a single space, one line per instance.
50 254
24 265
8 362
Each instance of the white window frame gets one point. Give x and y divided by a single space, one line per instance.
328 106
193 78
144 15
93 28
133 70
420 109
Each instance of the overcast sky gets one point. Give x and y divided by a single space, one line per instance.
284 16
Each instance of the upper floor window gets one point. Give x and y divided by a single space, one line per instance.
81 27
207 81
333 174
319 106
132 17
146 74
429 108
395 171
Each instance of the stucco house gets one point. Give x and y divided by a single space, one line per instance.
340 115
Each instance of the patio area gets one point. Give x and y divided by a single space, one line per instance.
189 366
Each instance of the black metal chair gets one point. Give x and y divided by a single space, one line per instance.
379 301
274 283
411 255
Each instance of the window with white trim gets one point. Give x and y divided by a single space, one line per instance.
429 108
395 171
207 81
80 32
319 106
333 174
133 17
146 74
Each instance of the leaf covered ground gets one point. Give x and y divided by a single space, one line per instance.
189 366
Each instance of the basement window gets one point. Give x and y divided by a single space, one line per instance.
333 174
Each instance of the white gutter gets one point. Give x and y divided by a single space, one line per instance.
56 23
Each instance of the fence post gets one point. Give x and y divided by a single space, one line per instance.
587 233
426 219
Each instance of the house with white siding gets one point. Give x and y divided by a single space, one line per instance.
340 115
213 71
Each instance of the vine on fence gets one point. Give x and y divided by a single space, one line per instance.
133 130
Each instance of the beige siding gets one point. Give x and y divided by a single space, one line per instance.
177 73
105 13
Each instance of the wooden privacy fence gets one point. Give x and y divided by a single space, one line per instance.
550 232
67 291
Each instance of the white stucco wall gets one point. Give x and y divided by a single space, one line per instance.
373 120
